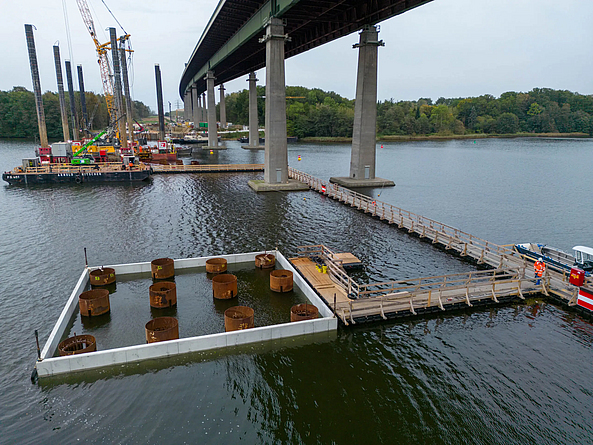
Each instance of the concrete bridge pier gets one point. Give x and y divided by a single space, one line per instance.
203 110
222 107
212 130
364 136
253 124
199 113
276 157
186 106
194 103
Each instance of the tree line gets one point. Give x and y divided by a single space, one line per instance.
316 113
18 115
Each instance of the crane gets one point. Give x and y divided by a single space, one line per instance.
104 65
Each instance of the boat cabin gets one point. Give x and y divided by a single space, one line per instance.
584 257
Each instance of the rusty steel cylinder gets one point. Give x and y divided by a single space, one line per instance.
162 268
224 286
216 265
163 294
303 311
94 302
102 276
265 261
281 280
162 329
237 318
79 344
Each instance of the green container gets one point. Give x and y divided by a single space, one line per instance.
203 124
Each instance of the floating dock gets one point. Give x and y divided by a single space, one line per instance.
512 276
207 168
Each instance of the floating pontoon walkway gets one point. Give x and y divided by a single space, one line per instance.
207 168
511 278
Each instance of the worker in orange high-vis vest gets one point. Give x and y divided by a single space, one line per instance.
540 268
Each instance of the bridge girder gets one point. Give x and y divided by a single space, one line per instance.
230 43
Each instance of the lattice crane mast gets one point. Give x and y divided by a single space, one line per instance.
103 59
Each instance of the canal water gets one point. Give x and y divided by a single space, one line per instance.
509 374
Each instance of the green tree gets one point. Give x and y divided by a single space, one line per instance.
534 109
442 119
507 123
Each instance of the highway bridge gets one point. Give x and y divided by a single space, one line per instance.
243 36
230 43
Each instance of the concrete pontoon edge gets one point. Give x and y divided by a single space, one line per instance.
49 365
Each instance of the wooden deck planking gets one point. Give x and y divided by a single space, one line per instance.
207 168
347 259
321 282
409 302
466 245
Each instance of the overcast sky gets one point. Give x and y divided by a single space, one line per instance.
450 48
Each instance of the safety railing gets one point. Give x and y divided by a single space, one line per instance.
334 267
207 168
452 238
437 292
76 168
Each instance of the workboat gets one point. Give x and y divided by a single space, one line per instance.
558 259
193 138
163 151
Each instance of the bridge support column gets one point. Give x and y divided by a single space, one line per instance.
212 130
199 113
253 124
194 104
276 158
186 102
364 135
222 107
204 110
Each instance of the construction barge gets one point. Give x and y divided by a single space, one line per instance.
78 174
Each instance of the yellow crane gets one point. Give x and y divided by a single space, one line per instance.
104 65
103 59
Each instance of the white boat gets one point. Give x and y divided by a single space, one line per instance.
558 259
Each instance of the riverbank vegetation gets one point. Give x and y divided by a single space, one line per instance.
313 113
18 115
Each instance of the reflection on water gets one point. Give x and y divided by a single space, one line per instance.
518 374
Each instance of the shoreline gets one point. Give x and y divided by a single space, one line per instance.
437 137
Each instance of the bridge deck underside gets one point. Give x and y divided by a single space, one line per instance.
309 23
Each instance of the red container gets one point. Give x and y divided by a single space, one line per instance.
577 276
